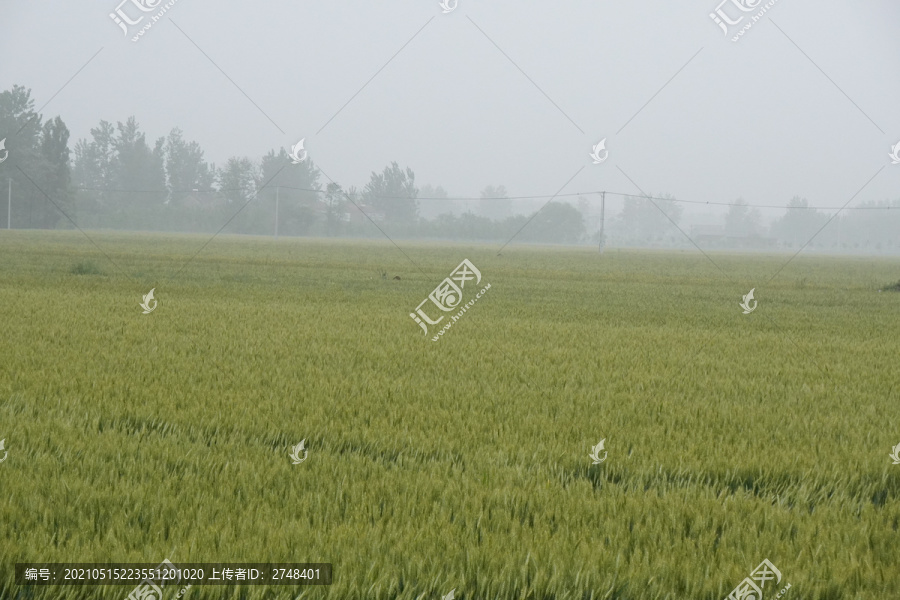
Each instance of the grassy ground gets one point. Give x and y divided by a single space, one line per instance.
461 463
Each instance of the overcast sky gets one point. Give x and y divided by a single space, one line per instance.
806 103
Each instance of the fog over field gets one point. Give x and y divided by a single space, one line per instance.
801 110
449 300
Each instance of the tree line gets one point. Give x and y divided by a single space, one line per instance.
868 226
119 179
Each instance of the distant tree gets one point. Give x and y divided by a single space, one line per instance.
20 125
335 207
298 190
36 161
55 174
238 181
158 165
393 192
433 202
557 222
879 224
495 203
646 219
137 171
93 168
277 169
590 212
469 227
357 223
186 170
119 179
799 223
741 220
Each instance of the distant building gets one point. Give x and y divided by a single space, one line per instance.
355 215
709 234
202 200
715 236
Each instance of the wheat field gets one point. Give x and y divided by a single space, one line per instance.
460 464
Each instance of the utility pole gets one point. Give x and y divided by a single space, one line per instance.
277 190
9 205
602 220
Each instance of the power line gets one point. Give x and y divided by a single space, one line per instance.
570 195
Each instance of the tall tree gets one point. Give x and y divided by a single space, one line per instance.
335 208
138 174
799 223
55 175
393 192
21 132
557 222
186 170
646 218
495 203
741 220
297 188
93 174
238 181
20 125
590 212
876 225
433 202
